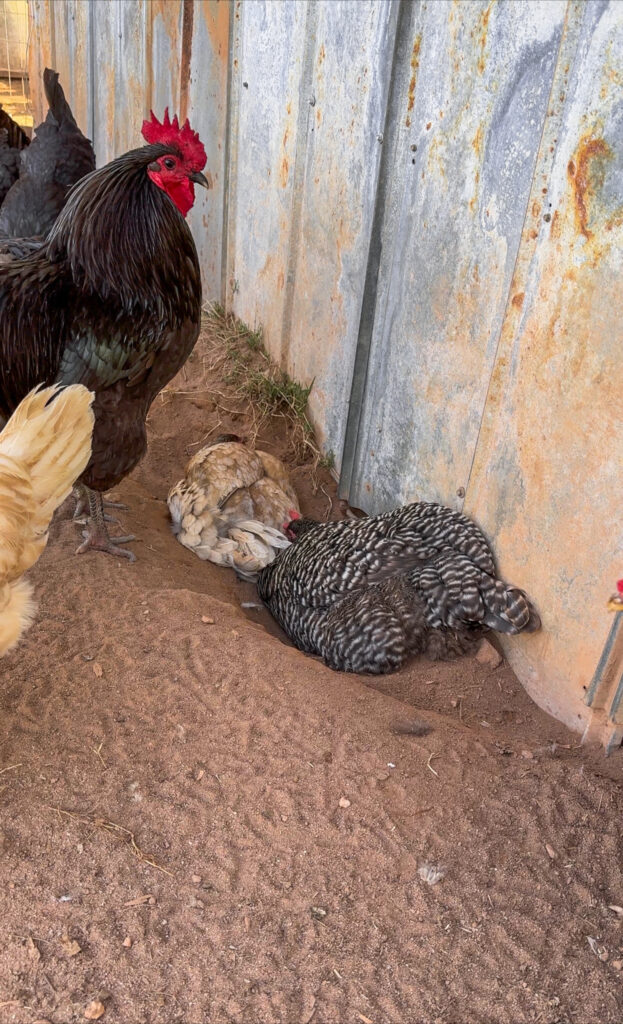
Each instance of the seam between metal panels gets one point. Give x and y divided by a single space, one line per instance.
597 679
561 45
375 249
230 155
298 177
92 58
188 15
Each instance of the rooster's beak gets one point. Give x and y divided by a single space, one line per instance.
199 179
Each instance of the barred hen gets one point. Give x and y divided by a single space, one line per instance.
111 300
56 159
43 448
232 504
366 594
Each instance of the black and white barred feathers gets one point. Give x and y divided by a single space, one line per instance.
366 594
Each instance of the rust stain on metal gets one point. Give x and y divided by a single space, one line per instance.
517 299
284 167
483 25
586 172
216 18
415 63
477 141
188 14
321 55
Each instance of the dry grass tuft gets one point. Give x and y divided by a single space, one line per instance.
259 388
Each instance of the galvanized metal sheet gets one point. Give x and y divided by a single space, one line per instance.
546 481
268 57
470 116
337 162
206 106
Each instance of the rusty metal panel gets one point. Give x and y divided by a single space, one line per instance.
546 481
468 122
310 89
206 106
49 47
337 166
268 57
162 82
119 58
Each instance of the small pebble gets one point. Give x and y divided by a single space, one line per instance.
127 942
196 879
208 621
344 802
487 655
319 913
152 901
617 964
95 1010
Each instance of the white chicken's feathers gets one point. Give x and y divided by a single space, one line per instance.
44 448
230 505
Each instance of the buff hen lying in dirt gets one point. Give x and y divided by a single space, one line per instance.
232 505
44 448
366 594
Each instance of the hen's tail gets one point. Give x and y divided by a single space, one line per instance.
44 448
460 594
56 97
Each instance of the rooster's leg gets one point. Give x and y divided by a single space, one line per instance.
96 534
81 494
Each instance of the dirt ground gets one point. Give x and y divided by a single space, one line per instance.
199 824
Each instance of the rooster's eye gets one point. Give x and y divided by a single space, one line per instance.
169 163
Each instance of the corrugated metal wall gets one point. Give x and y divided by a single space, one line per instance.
422 204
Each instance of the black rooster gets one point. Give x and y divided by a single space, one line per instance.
365 594
56 159
111 300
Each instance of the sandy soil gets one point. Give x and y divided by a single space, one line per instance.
197 823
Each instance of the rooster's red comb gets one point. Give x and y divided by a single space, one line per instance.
620 586
184 138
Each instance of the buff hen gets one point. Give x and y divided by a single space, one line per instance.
44 447
365 594
232 505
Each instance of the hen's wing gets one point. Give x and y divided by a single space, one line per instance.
457 593
271 505
44 447
333 560
221 469
276 470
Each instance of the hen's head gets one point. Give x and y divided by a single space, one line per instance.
297 526
177 172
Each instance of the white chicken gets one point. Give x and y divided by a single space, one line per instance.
44 448
232 505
